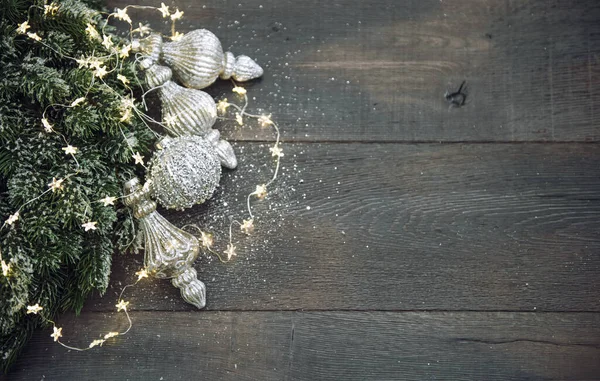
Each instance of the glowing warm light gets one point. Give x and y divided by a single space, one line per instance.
12 218
34 309
89 225
56 184
57 333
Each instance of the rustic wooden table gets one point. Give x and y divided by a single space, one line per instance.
405 240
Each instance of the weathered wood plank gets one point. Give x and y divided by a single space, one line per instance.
323 346
380 68
399 227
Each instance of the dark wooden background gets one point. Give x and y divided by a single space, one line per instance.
454 244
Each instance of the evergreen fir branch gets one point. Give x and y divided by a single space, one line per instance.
55 262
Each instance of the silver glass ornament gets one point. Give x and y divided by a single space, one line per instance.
184 171
169 252
187 111
197 59
184 111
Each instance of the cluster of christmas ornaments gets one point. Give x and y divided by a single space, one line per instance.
186 167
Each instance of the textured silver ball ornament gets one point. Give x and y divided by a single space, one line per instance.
184 171
197 59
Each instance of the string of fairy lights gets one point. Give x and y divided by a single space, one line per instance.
100 68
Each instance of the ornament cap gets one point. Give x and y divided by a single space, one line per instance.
138 198
151 45
244 68
157 75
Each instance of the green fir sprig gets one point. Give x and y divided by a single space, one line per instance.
53 261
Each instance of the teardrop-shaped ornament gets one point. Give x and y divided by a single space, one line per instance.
197 59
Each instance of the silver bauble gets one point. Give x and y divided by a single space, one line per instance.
184 111
169 252
184 171
197 59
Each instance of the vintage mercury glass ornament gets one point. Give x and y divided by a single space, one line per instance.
184 171
169 251
187 111
197 59
184 111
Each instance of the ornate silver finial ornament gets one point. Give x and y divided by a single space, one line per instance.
197 59
169 251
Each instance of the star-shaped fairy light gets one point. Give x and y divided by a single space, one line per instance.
91 225
265 120
50 9
107 42
100 72
176 36
164 9
239 119
139 159
34 36
5 268
276 151
122 78
177 15
142 274
12 218
170 120
222 106
142 29
110 334
22 29
121 14
125 115
239 90
122 305
261 191
230 252
247 226
70 150
77 101
92 32
34 309
56 184
57 333
207 239
108 200
47 125
96 342
124 52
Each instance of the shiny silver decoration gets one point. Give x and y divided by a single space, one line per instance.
187 111
169 251
197 59
184 111
184 171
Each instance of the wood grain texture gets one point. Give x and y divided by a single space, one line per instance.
377 258
323 346
400 227
377 71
